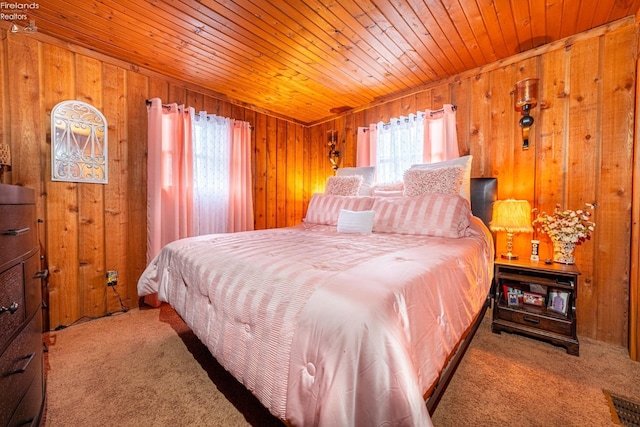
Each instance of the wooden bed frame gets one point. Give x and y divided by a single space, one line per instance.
483 194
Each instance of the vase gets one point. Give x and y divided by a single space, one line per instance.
564 252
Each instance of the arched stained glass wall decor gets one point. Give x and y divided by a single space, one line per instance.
79 145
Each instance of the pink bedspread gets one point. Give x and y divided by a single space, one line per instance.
326 328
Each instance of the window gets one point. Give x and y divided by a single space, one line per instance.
211 172
425 137
399 145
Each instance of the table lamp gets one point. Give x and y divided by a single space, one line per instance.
511 216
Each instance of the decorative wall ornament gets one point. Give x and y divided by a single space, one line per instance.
79 147
526 91
334 155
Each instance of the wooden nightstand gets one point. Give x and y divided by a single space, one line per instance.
538 300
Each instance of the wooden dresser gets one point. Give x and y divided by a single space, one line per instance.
22 387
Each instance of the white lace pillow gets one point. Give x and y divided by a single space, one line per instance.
439 215
465 162
445 180
368 174
343 185
355 222
325 208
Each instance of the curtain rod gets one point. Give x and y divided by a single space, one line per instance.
431 113
454 107
148 102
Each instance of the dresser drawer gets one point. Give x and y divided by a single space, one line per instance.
533 320
18 234
12 299
20 364
29 411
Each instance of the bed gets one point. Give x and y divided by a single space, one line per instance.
329 327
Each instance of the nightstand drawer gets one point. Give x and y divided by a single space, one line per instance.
533 320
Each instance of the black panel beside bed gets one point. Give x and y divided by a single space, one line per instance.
484 191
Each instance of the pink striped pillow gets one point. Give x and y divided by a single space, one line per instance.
325 208
439 215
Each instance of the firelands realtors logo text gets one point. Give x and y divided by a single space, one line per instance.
16 11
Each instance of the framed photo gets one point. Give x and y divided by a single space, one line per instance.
513 298
532 298
558 301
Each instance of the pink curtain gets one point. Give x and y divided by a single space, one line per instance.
366 146
440 138
171 169
169 175
240 195
440 135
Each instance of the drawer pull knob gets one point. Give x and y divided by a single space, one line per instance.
15 231
11 309
28 359
42 274
530 320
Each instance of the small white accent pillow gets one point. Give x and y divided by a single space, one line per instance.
465 162
445 180
368 174
325 208
355 222
343 185
439 215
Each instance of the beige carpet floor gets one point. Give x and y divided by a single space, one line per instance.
145 368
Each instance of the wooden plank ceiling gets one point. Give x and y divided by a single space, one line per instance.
302 59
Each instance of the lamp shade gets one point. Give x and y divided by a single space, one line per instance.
5 155
512 216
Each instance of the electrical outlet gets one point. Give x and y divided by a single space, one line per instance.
112 277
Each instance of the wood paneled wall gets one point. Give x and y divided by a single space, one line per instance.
581 151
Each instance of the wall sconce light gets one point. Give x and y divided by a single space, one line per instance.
511 216
5 159
334 155
526 99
